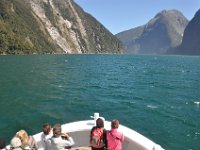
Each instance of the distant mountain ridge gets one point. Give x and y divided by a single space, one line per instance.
161 33
51 26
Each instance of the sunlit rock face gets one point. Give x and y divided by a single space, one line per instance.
52 26
161 33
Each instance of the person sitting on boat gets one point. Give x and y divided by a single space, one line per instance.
114 138
98 136
2 144
46 135
60 141
28 142
16 144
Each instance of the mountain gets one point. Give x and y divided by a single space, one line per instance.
162 32
52 26
191 38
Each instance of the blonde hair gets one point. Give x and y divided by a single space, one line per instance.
23 135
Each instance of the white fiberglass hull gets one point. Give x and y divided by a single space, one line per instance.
80 131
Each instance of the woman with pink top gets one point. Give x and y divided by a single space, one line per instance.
114 138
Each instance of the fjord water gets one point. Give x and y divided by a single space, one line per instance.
154 95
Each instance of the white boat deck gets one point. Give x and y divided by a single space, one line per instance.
80 132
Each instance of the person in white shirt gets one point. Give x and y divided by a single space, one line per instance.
46 135
60 141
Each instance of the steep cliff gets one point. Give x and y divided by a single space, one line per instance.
52 26
191 38
162 32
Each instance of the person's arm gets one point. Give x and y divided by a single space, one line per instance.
33 143
91 133
104 137
122 138
69 140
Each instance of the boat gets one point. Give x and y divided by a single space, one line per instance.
80 131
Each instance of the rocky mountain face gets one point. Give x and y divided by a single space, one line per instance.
52 26
191 39
161 33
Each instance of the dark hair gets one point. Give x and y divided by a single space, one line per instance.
99 123
57 130
46 128
115 124
2 143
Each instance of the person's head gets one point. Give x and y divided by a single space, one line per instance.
57 130
99 123
115 124
15 142
2 143
23 135
46 128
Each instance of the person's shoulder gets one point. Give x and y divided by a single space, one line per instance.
31 138
57 139
93 128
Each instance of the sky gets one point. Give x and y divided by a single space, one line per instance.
121 15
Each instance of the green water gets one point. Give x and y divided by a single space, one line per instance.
154 95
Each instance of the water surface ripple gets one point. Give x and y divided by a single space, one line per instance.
154 95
